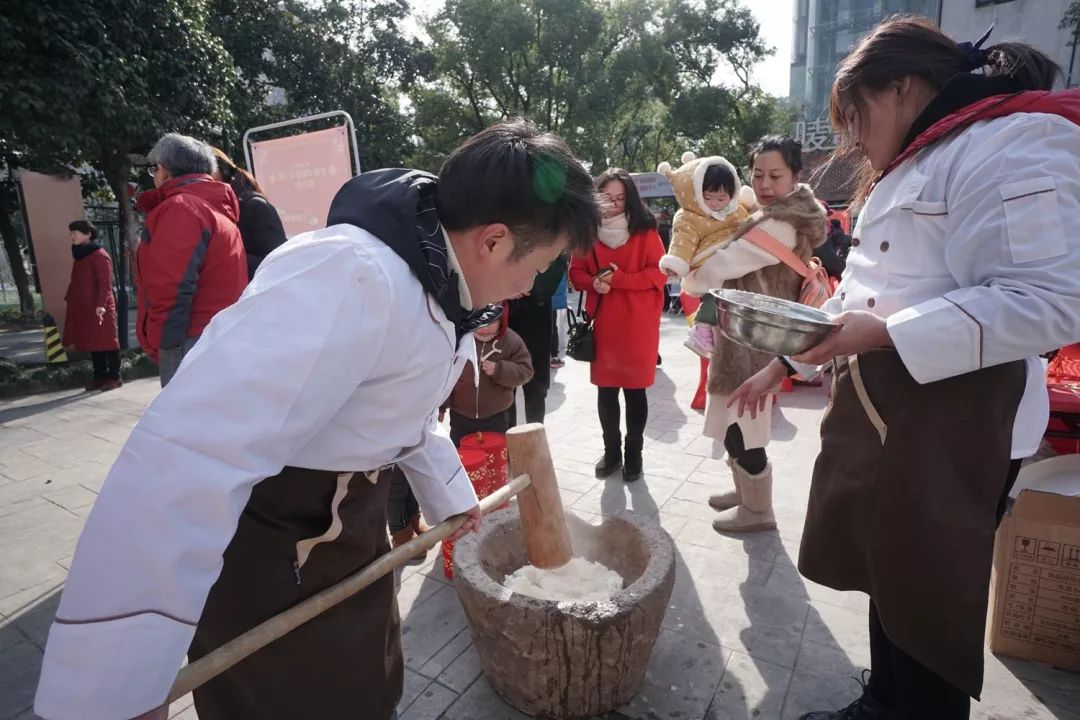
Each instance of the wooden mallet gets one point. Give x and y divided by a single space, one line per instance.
543 522
543 526
213 664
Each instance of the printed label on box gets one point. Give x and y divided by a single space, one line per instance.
1042 605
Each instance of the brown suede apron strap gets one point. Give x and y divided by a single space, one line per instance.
345 663
904 498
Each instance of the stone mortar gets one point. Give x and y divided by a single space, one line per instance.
563 660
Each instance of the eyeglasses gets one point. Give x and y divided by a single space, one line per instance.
152 170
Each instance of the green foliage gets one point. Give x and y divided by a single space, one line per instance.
94 81
301 58
1071 20
17 380
626 82
12 318
99 81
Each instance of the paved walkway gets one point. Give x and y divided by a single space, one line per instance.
744 637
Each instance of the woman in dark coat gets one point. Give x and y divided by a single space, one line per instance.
260 225
90 321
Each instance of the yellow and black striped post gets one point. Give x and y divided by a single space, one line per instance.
54 344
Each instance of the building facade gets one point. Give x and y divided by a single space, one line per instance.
1036 22
825 30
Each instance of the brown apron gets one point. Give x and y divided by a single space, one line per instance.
904 499
345 663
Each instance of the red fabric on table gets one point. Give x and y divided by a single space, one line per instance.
1063 387
1065 367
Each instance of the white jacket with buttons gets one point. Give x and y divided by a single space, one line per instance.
334 359
971 251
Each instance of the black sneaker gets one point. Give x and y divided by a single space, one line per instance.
609 464
632 472
866 707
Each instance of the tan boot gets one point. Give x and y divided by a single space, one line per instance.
731 498
402 536
416 522
755 513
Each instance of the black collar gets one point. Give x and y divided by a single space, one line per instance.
400 207
959 92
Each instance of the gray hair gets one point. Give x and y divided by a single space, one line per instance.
183 155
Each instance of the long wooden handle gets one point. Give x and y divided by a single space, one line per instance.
543 522
232 652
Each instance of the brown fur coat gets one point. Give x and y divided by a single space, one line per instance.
733 364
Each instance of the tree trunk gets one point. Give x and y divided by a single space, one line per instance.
18 269
117 172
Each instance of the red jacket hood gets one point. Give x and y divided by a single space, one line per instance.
217 195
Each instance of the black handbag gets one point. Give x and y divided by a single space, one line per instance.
580 342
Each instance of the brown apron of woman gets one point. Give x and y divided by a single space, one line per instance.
345 663
904 498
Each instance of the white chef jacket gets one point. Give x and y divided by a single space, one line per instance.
335 359
964 250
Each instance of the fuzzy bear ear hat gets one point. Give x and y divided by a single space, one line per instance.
687 182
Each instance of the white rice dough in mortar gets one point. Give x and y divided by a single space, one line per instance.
579 579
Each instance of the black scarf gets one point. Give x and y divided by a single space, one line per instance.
85 250
958 92
398 207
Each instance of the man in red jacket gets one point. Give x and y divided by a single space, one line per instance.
190 263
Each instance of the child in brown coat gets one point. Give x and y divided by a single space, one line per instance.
505 364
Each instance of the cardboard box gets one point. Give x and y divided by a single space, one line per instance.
1035 596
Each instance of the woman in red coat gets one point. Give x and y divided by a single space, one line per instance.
626 296
90 322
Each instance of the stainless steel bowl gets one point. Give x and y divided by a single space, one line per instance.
769 324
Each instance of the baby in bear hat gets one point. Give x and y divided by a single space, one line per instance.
713 206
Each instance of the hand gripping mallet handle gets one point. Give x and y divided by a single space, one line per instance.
232 652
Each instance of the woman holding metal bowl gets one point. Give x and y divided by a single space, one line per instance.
791 216
960 274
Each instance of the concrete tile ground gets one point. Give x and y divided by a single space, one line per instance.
744 636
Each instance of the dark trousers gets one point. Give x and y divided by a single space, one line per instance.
901 682
462 425
401 504
752 461
535 403
106 364
531 319
555 333
637 414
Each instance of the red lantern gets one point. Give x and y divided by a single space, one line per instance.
476 465
494 447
